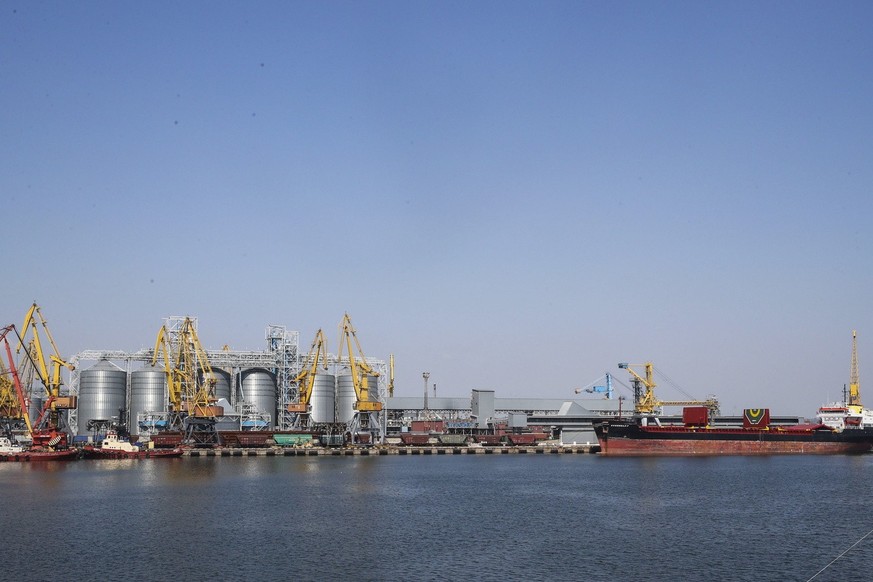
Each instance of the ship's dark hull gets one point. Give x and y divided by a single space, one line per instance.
90 452
628 438
35 455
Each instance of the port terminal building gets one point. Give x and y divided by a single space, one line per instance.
569 421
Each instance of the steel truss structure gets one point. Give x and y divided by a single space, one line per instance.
281 358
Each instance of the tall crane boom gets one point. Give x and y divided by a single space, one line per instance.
47 367
190 380
12 402
645 402
854 377
391 375
10 407
315 360
361 371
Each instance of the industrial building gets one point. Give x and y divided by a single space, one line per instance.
279 389
566 420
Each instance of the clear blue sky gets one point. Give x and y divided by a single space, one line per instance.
510 195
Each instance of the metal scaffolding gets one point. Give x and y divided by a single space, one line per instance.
284 345
281 359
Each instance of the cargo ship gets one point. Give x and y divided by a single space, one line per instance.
644 434
756 436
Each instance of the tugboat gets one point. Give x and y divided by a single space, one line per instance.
7 448
50 449
113 447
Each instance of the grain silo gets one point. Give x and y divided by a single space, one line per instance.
148 392
102 392
223 384
258 387
323 399
35 408
345 398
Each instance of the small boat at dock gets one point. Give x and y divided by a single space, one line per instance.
10 452
113 447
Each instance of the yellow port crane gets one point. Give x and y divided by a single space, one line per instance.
645 402
48 422
190 381
315 360
10 407
853 402
391 375
361 371
13 407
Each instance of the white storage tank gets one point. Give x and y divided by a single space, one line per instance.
148 392
323 399
35 407
223 384
102 392
258 387
345 398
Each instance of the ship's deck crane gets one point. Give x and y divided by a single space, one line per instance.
361 371
645 402
315 360
190 380
46 429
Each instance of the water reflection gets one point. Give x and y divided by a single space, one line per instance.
497 516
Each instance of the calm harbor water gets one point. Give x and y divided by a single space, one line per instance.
495 517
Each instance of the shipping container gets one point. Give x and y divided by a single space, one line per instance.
695 415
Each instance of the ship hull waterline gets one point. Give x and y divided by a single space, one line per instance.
626 439
40 456
97 453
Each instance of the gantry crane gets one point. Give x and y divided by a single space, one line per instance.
190 382
645 402
361 371
46 429
315 361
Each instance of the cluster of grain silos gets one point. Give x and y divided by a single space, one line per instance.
334 398
103 392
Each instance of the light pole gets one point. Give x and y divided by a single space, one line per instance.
425 375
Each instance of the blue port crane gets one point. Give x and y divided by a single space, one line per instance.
607 389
